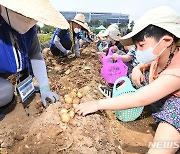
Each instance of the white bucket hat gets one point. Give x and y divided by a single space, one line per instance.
114 34
100 34
112 26
80 20
163 17
39 10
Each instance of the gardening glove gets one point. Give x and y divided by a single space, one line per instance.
49 97
68 52
39 70
76 49
77 54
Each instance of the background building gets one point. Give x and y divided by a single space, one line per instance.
117 18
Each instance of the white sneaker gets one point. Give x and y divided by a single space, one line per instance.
107 92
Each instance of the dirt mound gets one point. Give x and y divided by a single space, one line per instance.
29 128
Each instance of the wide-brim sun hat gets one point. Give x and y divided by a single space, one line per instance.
39 10
87 27
80 20
163 17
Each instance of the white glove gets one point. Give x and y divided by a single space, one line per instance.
39 70
49 97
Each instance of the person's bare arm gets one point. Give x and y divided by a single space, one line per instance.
126 58
161 87
137 76
144 67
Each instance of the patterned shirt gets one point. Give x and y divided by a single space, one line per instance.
132 52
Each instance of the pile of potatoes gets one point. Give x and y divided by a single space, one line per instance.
71 101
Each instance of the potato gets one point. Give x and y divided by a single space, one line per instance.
71 114
79 95
66 96
62 111
68 99
76 100
74 90
75 105
73 94
65 117
67 106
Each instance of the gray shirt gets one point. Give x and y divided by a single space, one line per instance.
35 49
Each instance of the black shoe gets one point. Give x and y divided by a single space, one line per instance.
107 92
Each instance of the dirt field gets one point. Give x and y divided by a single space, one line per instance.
30 128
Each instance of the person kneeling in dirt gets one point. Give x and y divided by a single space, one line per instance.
20 51
65 41
157 38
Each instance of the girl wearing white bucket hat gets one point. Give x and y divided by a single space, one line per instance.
20 50
157 38
113 34
65 41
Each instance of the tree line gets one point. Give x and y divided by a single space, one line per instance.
46 29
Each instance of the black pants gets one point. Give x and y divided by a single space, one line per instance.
67 44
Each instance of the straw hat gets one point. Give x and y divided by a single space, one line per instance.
163 17
80 20
39 10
